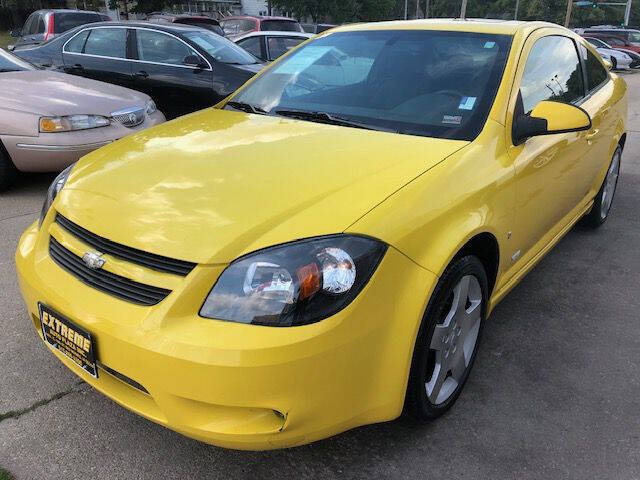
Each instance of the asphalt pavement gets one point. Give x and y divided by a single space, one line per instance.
555 392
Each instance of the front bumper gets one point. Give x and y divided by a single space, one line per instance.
53 152
241 386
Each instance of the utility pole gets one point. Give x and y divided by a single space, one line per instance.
463 10
515 15
406 6
417 8
627 13
567 19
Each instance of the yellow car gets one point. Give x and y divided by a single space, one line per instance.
321 250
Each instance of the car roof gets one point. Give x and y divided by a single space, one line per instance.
263 33
66 10
482 25
258 17
169 27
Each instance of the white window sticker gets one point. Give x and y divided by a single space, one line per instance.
467 103
489 44
452 119
302 60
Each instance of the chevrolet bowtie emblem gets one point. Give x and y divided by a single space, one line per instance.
93 260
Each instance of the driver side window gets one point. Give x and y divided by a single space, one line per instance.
552 72
158 47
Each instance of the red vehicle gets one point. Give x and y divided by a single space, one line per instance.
619 39
249 23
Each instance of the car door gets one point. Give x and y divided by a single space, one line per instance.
550 169
99 53
599 89
161 72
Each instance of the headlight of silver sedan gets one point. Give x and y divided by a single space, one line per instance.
55 187
151 107
294 284
72 123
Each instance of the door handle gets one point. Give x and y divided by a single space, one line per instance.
77 66
141 74
592 135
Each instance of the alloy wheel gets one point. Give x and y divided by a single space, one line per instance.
610 184
454 340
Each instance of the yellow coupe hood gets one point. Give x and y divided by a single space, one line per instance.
215 185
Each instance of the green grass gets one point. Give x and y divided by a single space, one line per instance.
5 40
4 475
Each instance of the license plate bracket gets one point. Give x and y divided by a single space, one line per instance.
68 338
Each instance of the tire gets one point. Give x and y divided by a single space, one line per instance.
8 171
614 63
604 199
445 339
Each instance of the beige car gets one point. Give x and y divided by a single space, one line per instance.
48 120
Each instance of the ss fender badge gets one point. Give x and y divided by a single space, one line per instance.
93 260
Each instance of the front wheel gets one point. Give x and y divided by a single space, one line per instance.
448 339
604 199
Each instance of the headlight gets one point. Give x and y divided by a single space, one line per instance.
294 284
54 189
71 123
151 107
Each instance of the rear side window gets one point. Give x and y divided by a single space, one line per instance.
596 73
552 72
281 45
66 21
107 42
280 26
76 44
30 25
41 27
252 45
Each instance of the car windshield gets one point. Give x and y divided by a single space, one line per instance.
11 63
280 26
220 48
430 83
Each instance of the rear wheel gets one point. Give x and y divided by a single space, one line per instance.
8 171
604 199
448 339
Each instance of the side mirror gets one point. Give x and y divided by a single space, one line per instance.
608 64
548 118
15 33
11 48
194 61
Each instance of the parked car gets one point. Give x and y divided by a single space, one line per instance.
620 59
267 46
183 68
207 23
315 29
48 120
43 25
248 23
630 37
308 256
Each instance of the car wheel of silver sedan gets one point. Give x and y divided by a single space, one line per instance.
604 199
448 340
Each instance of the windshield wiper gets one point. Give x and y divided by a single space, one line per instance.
329 118
247 107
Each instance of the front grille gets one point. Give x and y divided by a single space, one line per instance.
123 378
107 282
129 118
149 260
